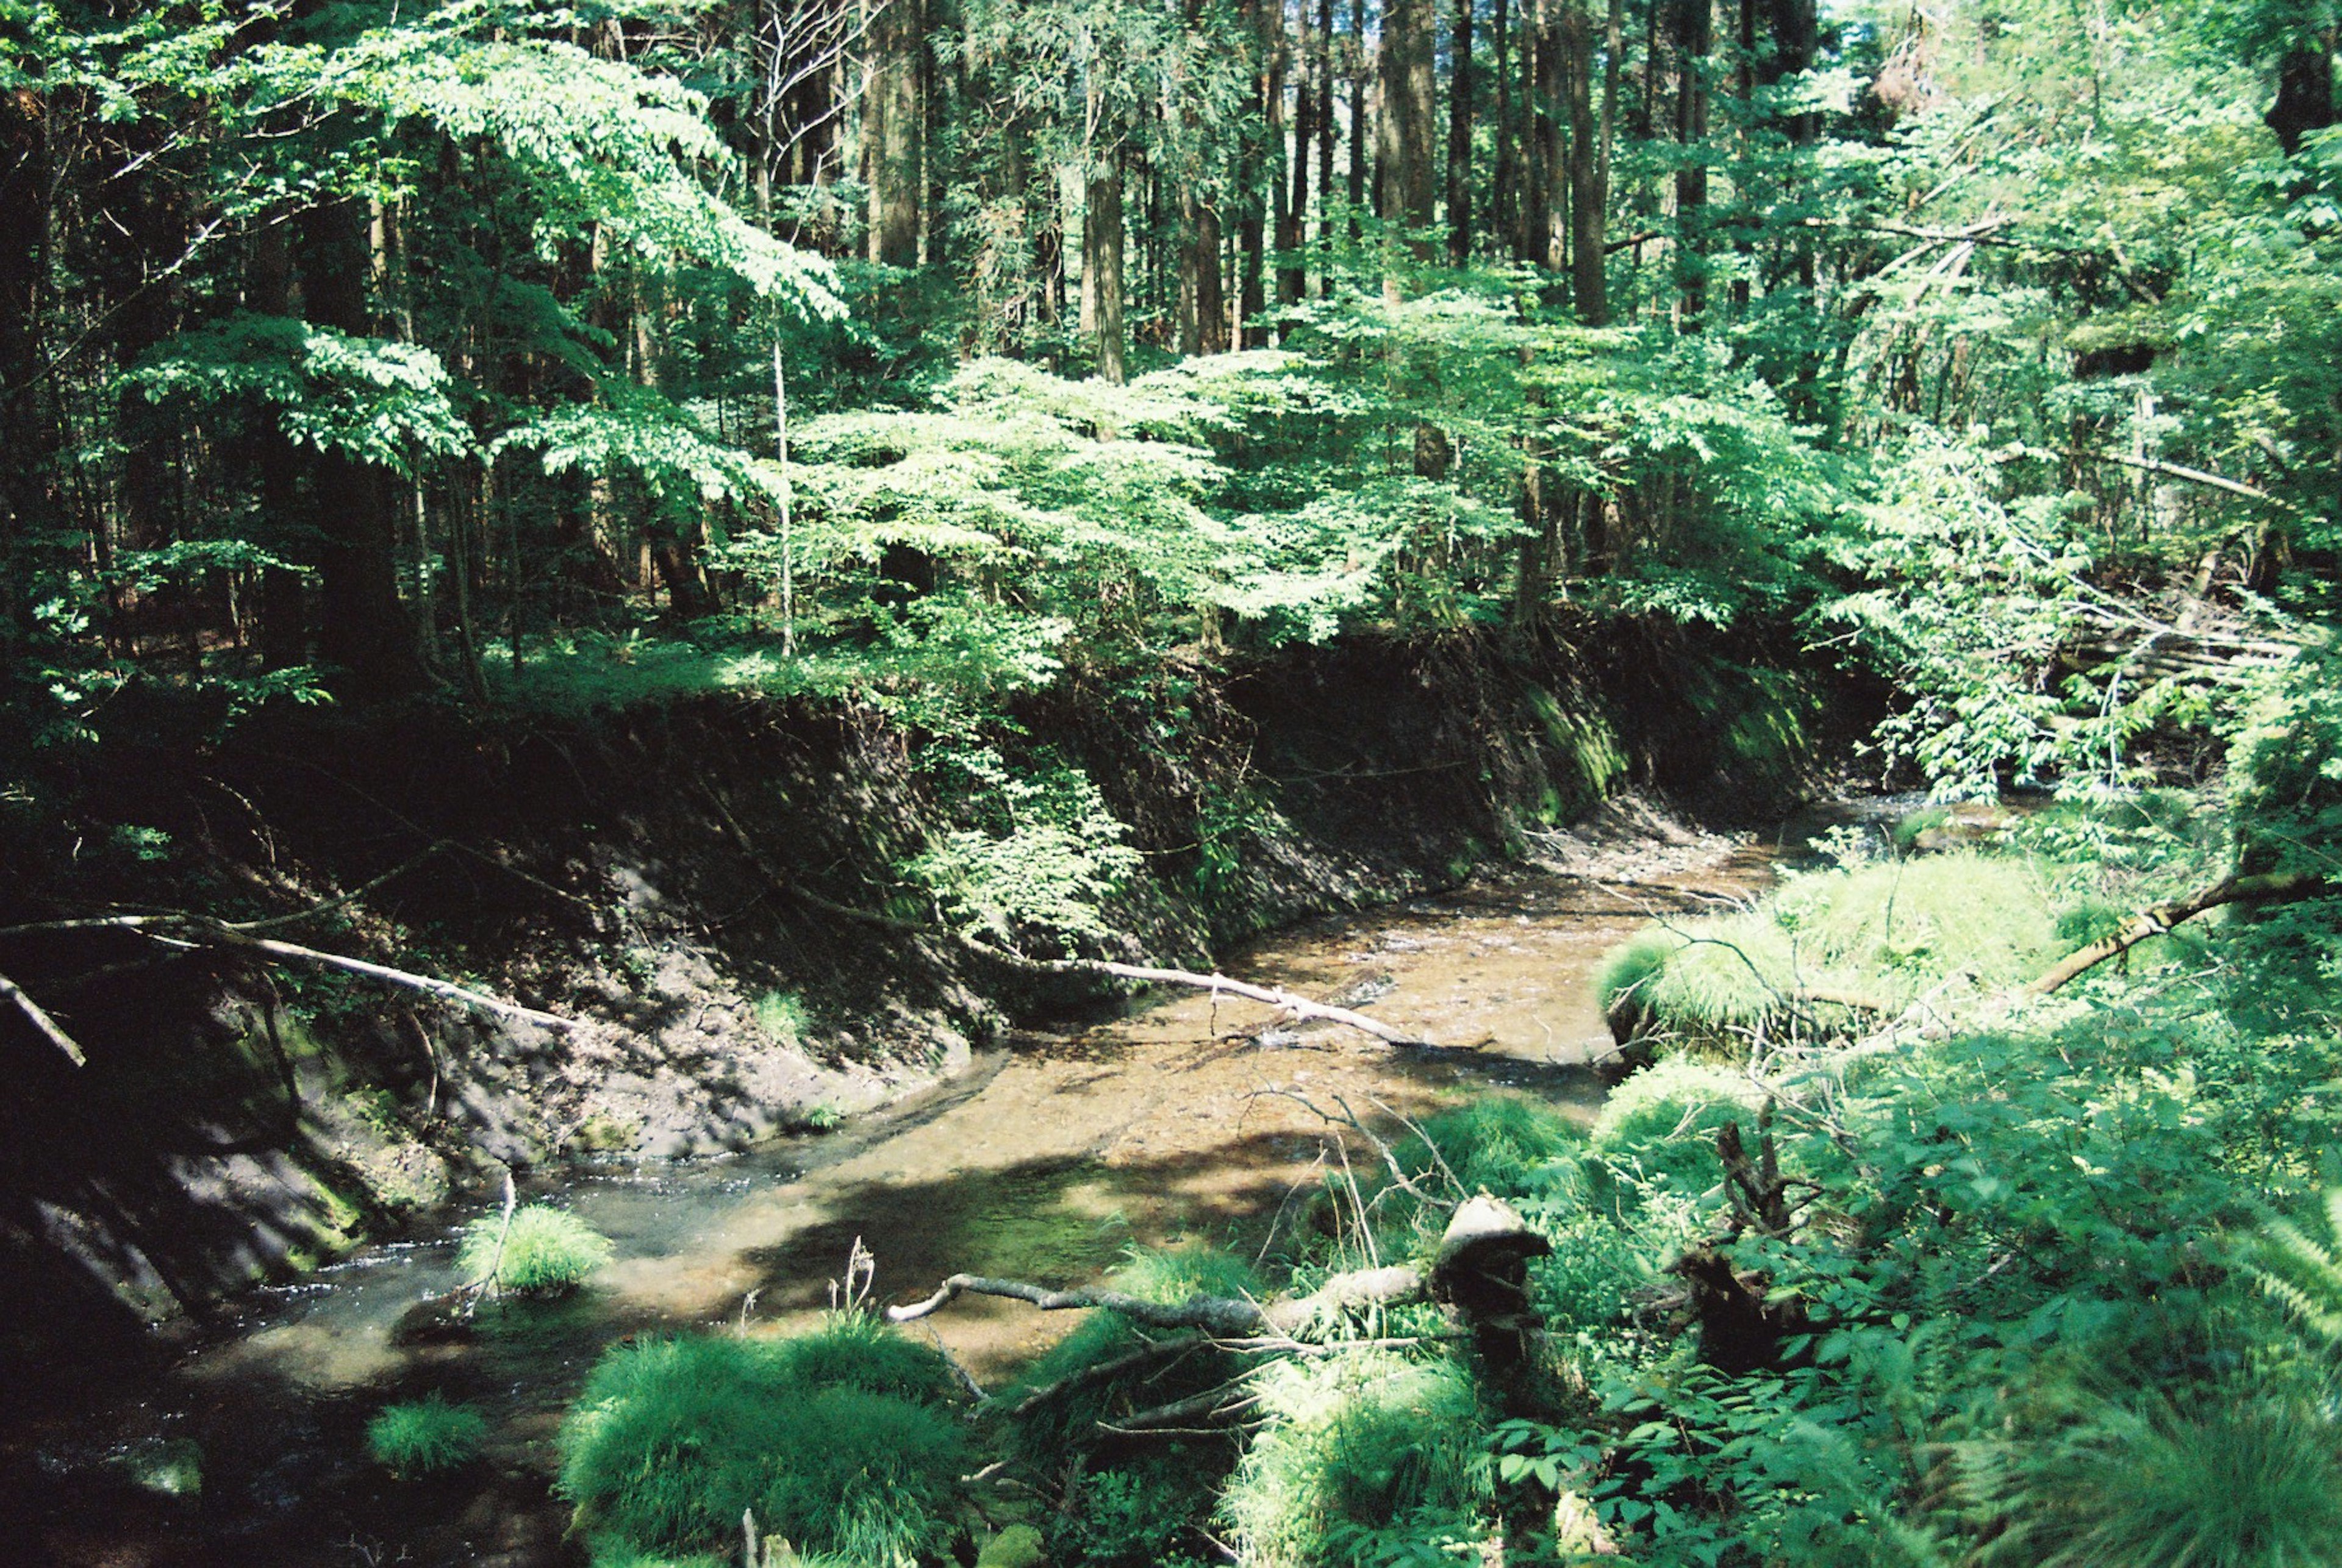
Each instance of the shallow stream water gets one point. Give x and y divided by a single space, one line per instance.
1191 1116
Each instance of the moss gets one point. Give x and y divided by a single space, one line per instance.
168 1467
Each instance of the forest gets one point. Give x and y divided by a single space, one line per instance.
619 581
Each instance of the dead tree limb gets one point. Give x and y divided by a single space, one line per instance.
2273 887
1299 1007
1485 1238
193 930
55 1035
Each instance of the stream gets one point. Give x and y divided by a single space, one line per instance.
1055 1153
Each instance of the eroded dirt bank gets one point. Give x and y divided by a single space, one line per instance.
716 886
1190 1117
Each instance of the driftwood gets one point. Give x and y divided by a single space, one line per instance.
2273 887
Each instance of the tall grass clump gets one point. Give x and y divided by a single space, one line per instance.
425 1436
2240 1479
545 1252
1507 1145
1357 1447
839 1440
1880 934
1660 1125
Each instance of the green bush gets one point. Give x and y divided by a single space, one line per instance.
423 1436
1660 1125
1356 1445
837 1440
547 1252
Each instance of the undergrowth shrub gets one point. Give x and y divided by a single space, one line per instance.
837 1440
545 1252
1659 1125
423 1436
1359 1449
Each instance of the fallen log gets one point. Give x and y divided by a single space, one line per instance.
2271 887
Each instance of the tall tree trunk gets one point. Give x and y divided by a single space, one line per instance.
1356 174
1694 37
2305 95
28 433
1325 140
1545 227
1203 308
1459 136
1587 200
363 626
1102 261
893 123
1409 139
284 607
1503 219
1293 276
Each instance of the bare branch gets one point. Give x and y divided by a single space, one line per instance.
11 991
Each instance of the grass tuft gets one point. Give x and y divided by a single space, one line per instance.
837 1440
425 1437
1355 1444
548 1251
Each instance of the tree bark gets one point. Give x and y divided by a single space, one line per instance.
894 122
1503 219
1102 260
1545 175
1293 275
1587 200
1356 174
363 628
1459 136
1408 139
2272 887
1695 38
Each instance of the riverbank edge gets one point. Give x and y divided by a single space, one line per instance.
711 884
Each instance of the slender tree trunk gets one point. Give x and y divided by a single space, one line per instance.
1545 227
1694 37
1503 219
1293 276
364 627
1356 173
1325 139
1587 199
1459 136
894 123
28 437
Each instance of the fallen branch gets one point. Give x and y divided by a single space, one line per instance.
1484 1238
2273 887
1299 1007
11 991
189 930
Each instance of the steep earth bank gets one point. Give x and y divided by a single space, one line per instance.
714 887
